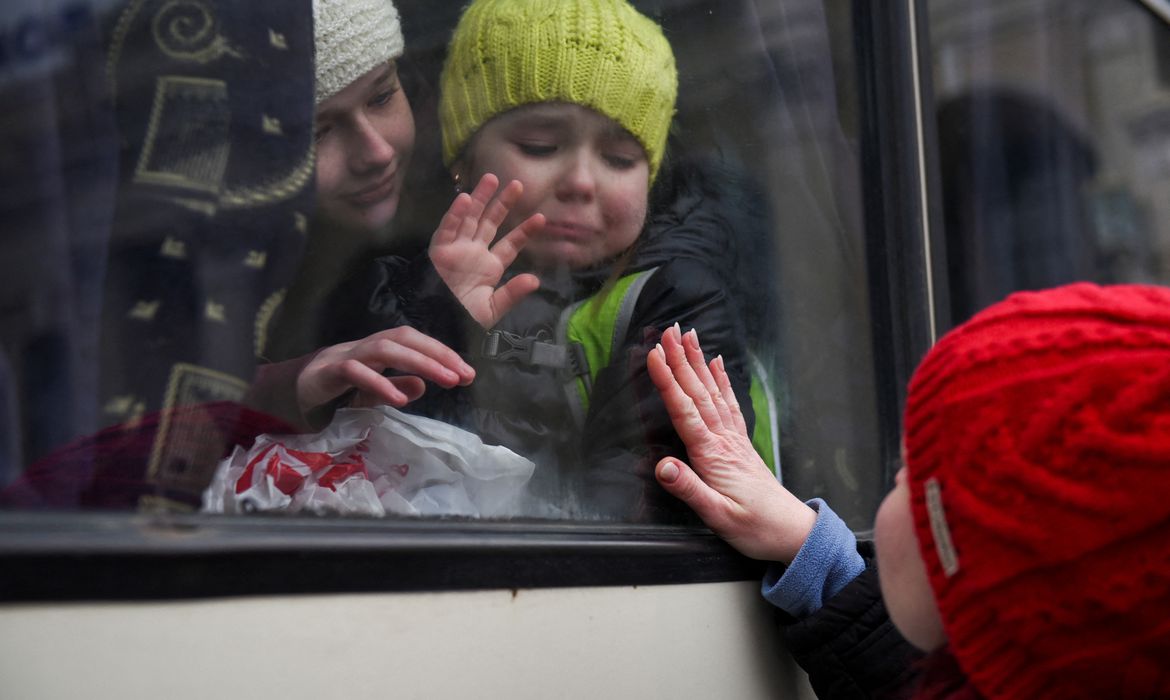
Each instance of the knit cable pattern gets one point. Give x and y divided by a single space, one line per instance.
1045 423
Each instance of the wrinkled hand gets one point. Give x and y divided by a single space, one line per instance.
463 253
359 364
726 484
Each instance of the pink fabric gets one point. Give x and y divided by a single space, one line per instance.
109 470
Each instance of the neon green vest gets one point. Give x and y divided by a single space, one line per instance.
598 325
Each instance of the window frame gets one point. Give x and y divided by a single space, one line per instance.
906 244
53 556
124 556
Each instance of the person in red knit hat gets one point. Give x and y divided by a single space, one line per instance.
1025 544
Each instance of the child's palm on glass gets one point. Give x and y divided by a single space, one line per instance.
464 255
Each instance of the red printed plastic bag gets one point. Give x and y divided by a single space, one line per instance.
372 461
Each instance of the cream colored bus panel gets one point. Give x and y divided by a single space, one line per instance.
690 641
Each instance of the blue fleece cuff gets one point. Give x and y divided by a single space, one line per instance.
825 563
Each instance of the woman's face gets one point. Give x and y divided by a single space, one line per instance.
902 573
583 171
365 137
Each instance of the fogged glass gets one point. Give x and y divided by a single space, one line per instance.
1052 125
175 269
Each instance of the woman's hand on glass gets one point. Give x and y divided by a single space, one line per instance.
466 254
727 483
359 365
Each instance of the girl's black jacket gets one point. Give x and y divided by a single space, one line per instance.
603 468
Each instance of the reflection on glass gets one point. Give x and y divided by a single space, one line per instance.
213 238
1051 123
155 191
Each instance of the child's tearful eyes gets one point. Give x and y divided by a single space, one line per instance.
582 170
536 150
620 161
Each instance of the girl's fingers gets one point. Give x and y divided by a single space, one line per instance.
508 248
429 346
386 354
686 377
495 212
470 221
412 387
484 190
512 292
449 225
477 202
368 381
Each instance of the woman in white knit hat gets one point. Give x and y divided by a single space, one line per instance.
364 128
364 134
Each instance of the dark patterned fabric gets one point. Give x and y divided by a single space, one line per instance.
174 170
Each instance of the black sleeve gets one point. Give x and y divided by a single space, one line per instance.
627 429
850 648
411 293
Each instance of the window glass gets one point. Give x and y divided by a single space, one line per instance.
1052 126
212 239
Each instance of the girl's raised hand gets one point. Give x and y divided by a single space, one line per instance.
466 254
726 484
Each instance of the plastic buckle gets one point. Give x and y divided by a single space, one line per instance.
503 346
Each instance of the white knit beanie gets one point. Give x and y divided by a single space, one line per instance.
352 37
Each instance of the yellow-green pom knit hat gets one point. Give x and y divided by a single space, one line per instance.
601 54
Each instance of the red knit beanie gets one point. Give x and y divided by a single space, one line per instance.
1038 455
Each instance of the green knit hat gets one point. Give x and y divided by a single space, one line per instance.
601 54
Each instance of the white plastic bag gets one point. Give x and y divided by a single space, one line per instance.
372 461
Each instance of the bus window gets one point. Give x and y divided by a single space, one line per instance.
221 254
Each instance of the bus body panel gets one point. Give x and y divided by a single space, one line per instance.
672 641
